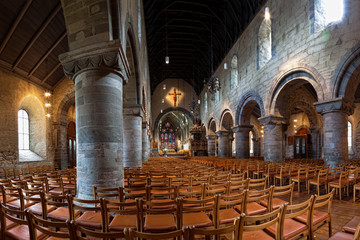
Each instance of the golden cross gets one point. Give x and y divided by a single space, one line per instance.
175 96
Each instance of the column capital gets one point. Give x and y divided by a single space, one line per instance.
222 133
108 56
211 137
242 128
133 110
274 120
335 105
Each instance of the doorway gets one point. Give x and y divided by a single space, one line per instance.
302 144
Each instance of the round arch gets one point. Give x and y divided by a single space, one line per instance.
300 73
211 126
343 82
226 120
248 100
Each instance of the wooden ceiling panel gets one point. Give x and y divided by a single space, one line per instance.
43 44
9 11
56 76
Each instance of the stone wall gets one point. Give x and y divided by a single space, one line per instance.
298 47
16 94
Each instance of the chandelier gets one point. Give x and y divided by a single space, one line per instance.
194 105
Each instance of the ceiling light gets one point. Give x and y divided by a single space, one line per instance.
161 111
164 87
167 60
47 105
225 66
47 94
162 100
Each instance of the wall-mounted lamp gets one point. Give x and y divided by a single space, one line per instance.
267 14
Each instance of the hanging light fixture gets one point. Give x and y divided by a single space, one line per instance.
225 66
167 59
225 63
214 82
164 87
162 100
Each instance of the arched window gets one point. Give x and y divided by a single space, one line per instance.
205 102
23 130
234 77
139 20
264 43
324 12
349 135
251 143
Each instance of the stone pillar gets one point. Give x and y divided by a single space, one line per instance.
211 145
145 142
314 143
335 113
242 141
273 138
132 136
98 73
224 143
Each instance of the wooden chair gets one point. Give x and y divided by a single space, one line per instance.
111 194
62 213
132 234
55 186
81 233
285 192
249 230
351 226
46 227
14 225
290 228
125 215
347 236
319 217
196 212
216 232
300 177
319 180
154 217
235 187
37 197
340 183
257 184
283 175
226 213
93 216
17 197
253 202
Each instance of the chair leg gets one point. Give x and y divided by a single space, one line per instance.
354 194
340 193
330 233
298 186
318 189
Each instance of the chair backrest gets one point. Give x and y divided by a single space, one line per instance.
248 223
15 216
132 234
47 227
83 205
236 186
217 232
81 233
108 193
163 192
257 183
259 195
324 200
283 191
192 191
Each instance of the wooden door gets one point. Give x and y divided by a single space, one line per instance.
302 144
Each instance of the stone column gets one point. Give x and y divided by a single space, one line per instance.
132 136
223 137
211 139
273 138
98 73
145 142
314 143
242 140
335 113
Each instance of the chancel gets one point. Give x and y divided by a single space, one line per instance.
251 131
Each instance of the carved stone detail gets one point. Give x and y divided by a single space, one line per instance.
271 119
109 57
338 104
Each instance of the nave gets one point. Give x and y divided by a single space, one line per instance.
201 195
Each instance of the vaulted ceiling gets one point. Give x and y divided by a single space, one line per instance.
188 30
33 34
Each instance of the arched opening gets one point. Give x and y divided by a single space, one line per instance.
23 130
212 139
294 101
71 140
226 144
325 12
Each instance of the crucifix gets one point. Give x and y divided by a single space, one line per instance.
175 96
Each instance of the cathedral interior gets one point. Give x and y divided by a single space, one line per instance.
248 106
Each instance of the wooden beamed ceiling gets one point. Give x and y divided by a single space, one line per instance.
183 29
32 35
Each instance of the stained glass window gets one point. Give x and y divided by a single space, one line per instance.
167 136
